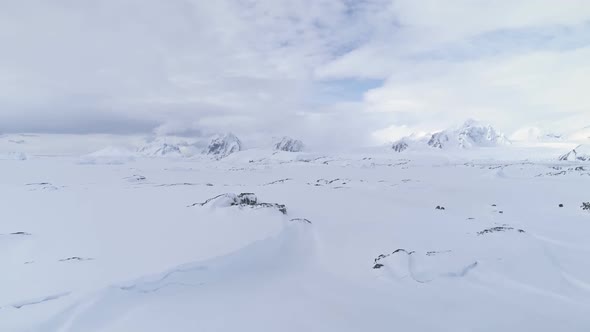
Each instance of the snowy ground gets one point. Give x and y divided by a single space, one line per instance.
114 244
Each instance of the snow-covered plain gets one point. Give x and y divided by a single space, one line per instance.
114 242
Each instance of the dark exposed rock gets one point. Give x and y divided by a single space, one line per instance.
499 229
247 199
325 182
378 266
434 253
438 207
585 206
75 258
438 140
243 199
20 233
277 181
281 207
400 146
560 205
302 220
382 256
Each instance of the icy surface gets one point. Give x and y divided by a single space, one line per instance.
125 243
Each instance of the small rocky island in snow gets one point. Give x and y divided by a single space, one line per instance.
223 145
289 144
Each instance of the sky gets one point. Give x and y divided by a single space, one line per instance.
331 71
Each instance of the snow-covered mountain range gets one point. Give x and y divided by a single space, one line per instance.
470 134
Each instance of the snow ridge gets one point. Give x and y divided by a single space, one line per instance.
472 134
580 153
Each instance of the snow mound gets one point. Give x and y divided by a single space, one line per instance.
13 156
223 146
198 285
109 156
289 144
580 153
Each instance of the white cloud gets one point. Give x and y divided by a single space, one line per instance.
253 66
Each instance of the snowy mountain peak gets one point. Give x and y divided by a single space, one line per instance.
289 144
580 153
224 145
400 146
471 134
160 149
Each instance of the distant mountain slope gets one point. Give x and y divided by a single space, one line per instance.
160 149
224 145
289 144
471 134
580 153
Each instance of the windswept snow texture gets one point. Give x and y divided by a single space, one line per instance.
223 146
267 241
290 145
